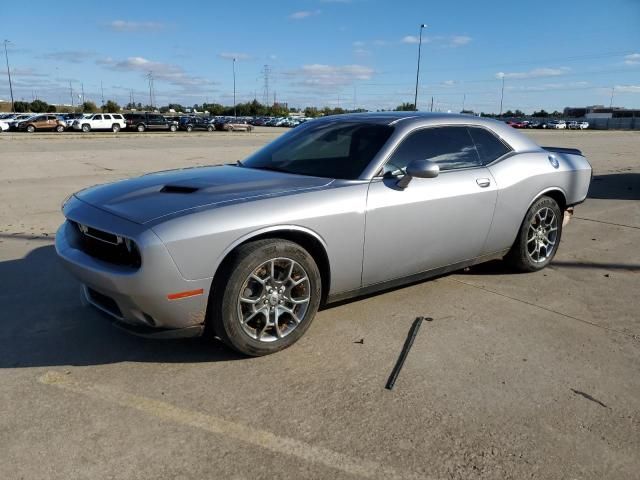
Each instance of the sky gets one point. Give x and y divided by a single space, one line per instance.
347 53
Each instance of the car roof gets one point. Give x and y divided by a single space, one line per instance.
406 121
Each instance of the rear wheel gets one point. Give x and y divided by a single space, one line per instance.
86 128
59 129
266 297
538 238
141 128
31 128
173 128
189 128
115 128
210 128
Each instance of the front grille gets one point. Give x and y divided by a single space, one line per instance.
104 302
107 247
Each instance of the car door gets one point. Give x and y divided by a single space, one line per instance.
97 123
156 122
434 222
41 122
107 121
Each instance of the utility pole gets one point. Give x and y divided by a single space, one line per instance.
102 92
464 98
611 101
431 109
502 95
71 93
415 99
235 113
6 56
150 77
82 89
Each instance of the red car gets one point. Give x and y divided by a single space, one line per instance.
517 124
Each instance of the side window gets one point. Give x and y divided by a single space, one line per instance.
156 118
450 147
118 117
97 117
107 117
489 146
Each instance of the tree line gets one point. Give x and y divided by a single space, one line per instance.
247 109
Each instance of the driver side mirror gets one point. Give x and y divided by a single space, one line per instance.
421 169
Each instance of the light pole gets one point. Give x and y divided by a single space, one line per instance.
6 56
234 89
415 99
502 94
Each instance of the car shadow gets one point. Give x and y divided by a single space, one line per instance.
44 324
615 186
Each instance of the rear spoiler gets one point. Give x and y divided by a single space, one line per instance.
570 151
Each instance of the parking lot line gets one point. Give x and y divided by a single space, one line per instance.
210 423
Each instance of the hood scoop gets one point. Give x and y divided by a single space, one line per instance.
178 189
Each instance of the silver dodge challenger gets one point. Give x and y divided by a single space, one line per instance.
335 208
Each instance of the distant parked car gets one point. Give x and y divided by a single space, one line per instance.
236 125
100 121
149 121
196 123
14 120
69 118
42 122
517 124
575 125
4 126
557 124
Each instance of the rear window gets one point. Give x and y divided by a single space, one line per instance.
118 117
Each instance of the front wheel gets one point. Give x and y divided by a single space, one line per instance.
538 238
173 128
86 128
266 297
59 129
210 128
141 128
31 128
115 128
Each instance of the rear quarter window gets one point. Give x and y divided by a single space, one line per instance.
488 145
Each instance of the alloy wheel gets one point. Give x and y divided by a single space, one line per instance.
274 299
542 235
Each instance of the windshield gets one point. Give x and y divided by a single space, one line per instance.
332 149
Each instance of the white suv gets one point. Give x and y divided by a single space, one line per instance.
100 121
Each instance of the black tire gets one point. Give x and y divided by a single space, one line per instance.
115 128
86 128
59 129
521 257
210 128
173 128
141 128
223 316
31 128
189 128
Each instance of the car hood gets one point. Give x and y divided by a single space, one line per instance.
156 195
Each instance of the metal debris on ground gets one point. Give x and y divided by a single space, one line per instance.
408 343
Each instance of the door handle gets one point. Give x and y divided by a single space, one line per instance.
483 182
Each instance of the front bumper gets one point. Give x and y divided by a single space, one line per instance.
136 299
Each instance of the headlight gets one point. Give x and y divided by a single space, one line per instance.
64 202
